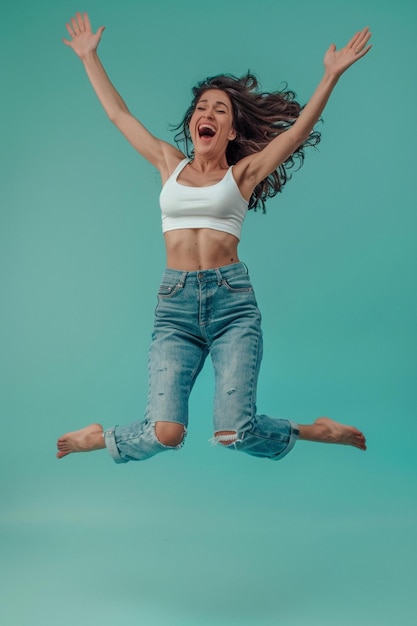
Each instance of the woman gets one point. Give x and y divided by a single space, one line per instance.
242 142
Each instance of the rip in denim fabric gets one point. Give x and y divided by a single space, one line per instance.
176 447
228 440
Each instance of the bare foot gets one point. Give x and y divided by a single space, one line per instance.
84 440
325 430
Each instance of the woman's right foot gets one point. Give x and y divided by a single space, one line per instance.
84 440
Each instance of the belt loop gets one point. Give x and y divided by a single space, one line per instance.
245 266
219 276
181 281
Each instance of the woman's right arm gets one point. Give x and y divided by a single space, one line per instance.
84 43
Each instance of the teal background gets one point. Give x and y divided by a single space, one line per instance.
328 536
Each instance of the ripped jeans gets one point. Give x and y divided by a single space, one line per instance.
199 313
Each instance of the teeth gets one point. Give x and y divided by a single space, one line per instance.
208 126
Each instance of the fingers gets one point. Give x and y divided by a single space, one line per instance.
361 54
357 36
351 43
78 24
80 20
75 27
358 42
70 30
87 21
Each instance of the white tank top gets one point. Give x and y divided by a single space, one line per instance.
219 206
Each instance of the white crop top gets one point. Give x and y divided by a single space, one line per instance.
219 206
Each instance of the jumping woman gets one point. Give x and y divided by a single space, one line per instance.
239 143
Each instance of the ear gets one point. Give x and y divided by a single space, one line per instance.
232 135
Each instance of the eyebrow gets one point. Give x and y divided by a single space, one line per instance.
217 102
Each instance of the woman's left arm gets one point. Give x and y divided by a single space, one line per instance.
256 167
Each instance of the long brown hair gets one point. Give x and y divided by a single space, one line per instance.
258 117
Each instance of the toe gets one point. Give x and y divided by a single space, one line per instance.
61 454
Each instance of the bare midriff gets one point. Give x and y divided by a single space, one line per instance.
193 249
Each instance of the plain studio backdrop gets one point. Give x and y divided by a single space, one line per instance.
206 536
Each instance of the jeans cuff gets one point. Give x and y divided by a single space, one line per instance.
110 441
294 436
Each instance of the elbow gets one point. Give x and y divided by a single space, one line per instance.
113 116
116 115
299 137
288 143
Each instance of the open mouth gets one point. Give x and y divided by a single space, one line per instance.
206 131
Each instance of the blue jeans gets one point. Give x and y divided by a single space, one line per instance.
211 311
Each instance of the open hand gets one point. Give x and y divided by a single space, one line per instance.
338 61
83 40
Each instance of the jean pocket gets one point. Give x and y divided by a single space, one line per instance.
238 284
169 290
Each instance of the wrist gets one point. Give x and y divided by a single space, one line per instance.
90 56
330 77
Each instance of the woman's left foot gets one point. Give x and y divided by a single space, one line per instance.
325 430
84 440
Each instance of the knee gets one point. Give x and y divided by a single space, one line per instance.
170 434
226 437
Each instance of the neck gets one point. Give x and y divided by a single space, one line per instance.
209 164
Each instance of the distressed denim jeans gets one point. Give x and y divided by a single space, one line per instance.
200 313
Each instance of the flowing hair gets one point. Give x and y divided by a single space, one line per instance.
258 117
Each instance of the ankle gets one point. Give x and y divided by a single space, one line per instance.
312 432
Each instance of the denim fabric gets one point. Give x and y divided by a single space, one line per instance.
199 313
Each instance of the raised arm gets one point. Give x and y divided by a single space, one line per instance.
254 168
84 43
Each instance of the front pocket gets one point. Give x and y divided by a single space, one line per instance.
238 284
169 291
